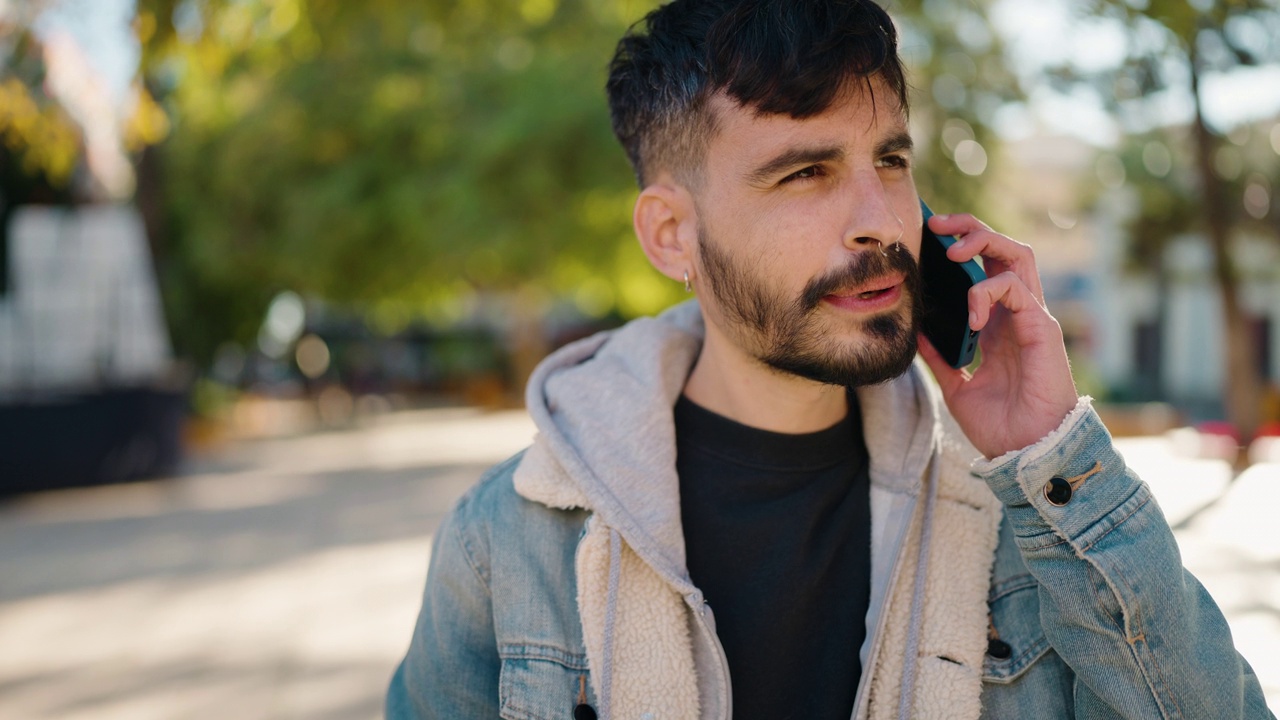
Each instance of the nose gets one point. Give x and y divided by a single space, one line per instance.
871 218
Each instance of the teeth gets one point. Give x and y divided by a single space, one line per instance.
868 294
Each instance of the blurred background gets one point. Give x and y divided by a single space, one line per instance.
273 274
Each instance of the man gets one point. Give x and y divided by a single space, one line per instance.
758 505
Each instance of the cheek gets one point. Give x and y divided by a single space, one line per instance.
804 232
912 241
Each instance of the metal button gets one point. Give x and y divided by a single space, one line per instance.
584 712
1057 491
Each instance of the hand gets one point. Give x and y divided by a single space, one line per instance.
1023 388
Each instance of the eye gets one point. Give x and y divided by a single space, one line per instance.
897 162
808 173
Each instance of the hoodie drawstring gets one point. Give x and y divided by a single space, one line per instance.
611 614
917 597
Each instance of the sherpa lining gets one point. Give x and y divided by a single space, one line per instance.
652 664
602 407
953 639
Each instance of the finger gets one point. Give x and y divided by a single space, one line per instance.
959 224
949 378
1005 289
999 252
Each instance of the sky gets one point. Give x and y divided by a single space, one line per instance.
103 30
1034 33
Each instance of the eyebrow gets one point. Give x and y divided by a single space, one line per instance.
896 142
792 157
798 156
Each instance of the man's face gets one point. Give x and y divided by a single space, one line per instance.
809 234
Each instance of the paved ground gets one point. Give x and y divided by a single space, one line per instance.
280 579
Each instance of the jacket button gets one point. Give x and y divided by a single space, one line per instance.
584 712
999 649
1057 491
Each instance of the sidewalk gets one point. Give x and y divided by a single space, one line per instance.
281 579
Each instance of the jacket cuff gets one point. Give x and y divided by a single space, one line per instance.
1072 478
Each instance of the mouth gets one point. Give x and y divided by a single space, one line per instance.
877 294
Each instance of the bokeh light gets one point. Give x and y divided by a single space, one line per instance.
312 356
971 157
1157 159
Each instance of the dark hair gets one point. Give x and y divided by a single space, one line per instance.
775 56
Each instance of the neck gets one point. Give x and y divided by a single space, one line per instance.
729 383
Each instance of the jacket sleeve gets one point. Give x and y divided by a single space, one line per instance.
1141 634
452 666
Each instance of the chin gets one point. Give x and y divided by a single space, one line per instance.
878 353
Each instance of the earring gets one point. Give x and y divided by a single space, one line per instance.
687 287
881 246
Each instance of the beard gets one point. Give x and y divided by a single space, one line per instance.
791 336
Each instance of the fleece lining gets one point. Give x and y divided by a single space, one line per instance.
606 443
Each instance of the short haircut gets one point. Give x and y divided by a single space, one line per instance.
774 56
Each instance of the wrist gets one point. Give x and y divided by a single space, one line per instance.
1037 448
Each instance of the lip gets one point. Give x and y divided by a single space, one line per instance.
888 291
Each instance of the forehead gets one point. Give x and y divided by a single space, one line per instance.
861 116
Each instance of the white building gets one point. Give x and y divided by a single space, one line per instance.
83 312
1134 345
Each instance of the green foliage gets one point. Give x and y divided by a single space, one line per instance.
403 154
960 78
40 142
1173 46
387 150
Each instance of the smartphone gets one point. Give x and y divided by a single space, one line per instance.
946 286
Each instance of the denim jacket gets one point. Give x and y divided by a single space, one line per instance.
558 580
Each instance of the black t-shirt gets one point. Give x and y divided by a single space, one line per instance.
777 533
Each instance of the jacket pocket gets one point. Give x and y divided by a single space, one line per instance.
541 683
1017 637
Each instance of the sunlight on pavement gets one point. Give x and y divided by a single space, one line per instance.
1246 518
281 578
313 637
1238 560
1181 485
1229 540
457 436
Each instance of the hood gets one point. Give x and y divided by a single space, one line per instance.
606 432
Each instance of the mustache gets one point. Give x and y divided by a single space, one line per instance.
862 267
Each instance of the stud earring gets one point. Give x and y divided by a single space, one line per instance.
687 287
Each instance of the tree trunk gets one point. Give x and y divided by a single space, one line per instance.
1242 384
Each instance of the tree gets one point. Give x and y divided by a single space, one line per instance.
961 77
40 146
400 155
389 153
1175 45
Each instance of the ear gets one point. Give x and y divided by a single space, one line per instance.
666 223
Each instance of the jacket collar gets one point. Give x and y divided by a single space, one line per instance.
606 434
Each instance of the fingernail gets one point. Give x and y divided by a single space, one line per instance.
958 243
973 318
942 217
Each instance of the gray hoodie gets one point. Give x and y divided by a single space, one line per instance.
606 443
